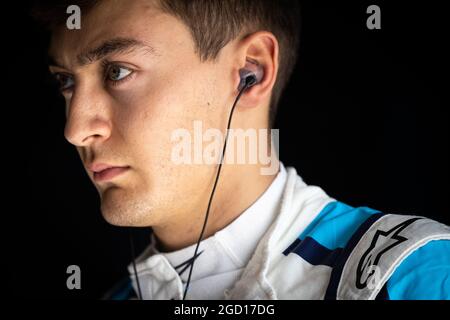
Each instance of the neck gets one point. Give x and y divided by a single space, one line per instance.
239 186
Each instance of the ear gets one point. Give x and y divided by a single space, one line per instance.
259 49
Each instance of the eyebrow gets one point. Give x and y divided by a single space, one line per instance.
108 47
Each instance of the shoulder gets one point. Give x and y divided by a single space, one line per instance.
411 254
387 255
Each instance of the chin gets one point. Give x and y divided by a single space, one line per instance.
123 210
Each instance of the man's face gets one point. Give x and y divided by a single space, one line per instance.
124 99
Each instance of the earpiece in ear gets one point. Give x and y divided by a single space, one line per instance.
250 75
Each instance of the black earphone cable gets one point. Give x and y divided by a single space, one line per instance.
248 82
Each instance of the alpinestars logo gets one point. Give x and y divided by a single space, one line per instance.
368 272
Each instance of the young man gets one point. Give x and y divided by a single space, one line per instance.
137 72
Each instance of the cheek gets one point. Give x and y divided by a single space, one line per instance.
146 116
143 121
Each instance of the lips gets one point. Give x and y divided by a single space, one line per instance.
104 172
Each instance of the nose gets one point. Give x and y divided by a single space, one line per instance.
88 117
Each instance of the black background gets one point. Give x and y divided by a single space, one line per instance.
364 117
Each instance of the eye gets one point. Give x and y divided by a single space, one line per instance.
117 73
65 81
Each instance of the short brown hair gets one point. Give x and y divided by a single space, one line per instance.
214 23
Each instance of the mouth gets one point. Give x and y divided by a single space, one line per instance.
104 172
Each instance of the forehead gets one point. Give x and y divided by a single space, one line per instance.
138 19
